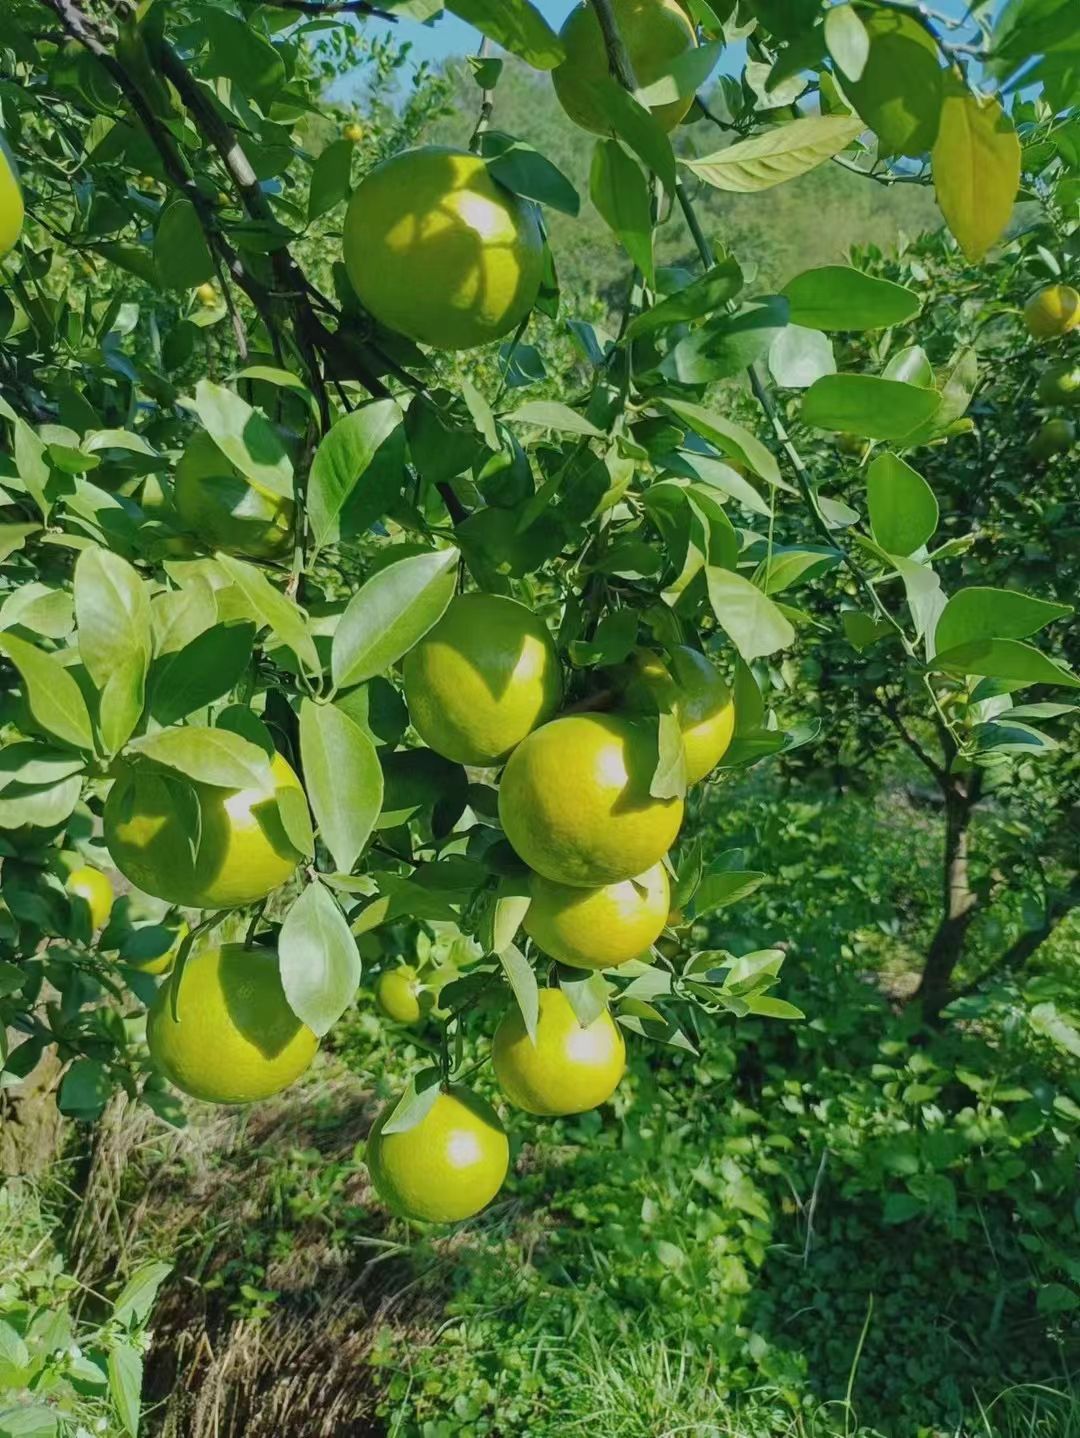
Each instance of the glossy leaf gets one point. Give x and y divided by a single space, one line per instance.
778 154
984 613
517 26
522 980
748 616
903 509
203 670
620 193
209 756
357 472
868 406
246 438
391 613
320 963
52 695
976 169
839 297
343 778
270 607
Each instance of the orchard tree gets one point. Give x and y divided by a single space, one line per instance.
330 642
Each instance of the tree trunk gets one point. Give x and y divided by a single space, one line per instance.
958 899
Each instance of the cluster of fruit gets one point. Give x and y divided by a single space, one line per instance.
1049 315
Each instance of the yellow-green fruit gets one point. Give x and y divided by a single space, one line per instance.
1052 312
440 251
207 295
569 1069
242 854
448 1166
397 993
1060 384
96 892
483 678
701 700
224 509
655 33
161 963
598 928
574 800
1053 437
11 202
234 1039
354 133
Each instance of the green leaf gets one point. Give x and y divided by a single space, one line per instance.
239 52
848 40
798 357
357 472
726 345
731 438
639 129
203 670
246 438
620 193
125 1384
767 1007
14 536
785 567
1004 659
343 778
527 172
922 588
683 74
416 1101
112 606
181 255
320 963
52 695
177 616
731 886
899 90
391 613
586 992
868 406
272 608
976 168
509 906
136 1298
85 1090
903 509
669 777
523 982
549 414
209 756
704 296
838 297
780 153
750 618
331 178
517 26
984 613
32 463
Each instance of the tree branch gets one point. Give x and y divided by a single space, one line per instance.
1026 944
333 7
888 708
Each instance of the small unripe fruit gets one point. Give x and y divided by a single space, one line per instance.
1053 437
207 294
353 132
1052 312
1060 384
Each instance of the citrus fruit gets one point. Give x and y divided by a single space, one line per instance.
440 251
243 851
94 889
11 202
569 1069
598 928
574 800
448 1166
207 295
485 676
1060 383
691 687
1054 436
234 1039
655 33
227 511
162 961
397 992
1052 312
353 133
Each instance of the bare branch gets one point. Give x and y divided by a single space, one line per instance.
333 7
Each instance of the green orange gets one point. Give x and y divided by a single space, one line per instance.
655 32
243 851
234 1038
225 510
1060 383
686 681
94 890
448 1166
441 252
574 800
398 992
485 676
1053 437
1052 312
11 202
598 928
570 1068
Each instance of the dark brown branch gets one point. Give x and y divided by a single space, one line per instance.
888 708
959 900
333 7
